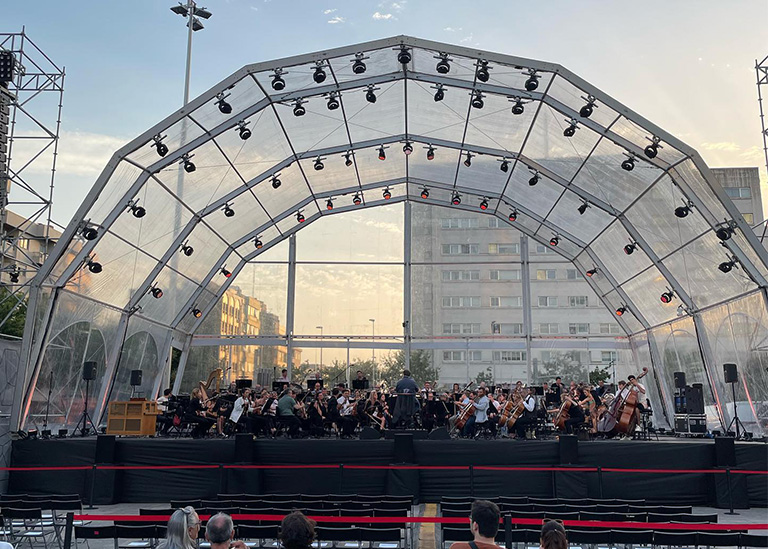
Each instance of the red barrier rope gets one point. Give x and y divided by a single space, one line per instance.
446 520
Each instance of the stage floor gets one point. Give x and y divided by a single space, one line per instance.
156 470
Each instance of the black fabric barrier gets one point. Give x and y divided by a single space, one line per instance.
162 484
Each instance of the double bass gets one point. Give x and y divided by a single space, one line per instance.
619 418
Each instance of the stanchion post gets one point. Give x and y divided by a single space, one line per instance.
472 481
507 530
600 481
93 486
341 478
223 478
730 492
554 482
69 526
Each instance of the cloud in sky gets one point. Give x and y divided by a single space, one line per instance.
329 11
452 29
399 6
383 16
727 146
336 20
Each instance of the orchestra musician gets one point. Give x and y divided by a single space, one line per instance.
576 413
195 413
345 405
428 411
283 377
480 416
239 416
528 419
317 414
287 408
405 405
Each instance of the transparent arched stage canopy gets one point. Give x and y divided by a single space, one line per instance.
530 143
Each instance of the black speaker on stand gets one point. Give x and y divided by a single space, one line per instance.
679 380
731 375
85 424
135 380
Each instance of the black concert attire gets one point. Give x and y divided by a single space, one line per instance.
265 422
528 418
429 414
316 414
600 391
576 418
202 423
405 403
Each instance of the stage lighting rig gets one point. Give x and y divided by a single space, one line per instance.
667 296
477 99
298 108
228 211
137 211
300 217
258 244
725 230
439 92
583 208
333 101
430 152
727 266
425 193
652 150
156 292
387 194
587 110
456 199
468 159
276 181
13 275
197 313
404 56
629 249
225 272
319 75
89 233
683 211
629 163
534 180
329 204
484 204
554 241
157 143
621 310
570 131
356 200
318 165
407 148
592 272
348 159
519 107
186 161
278 83
382 152
358 65
533 80
504 167
481 73
444 63
370 94
513 215
243 131
186 249
224 107
93 266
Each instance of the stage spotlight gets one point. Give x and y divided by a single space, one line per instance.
333 102
244 132
300 217
89 233
228 211
591 273
404 56
652 150
278 84
482 73
318 164
484 204
533 180
225 272
224 107
329 204
319 75
407 148
358 67
197 313
187 250
14 277
258 243
443 66
570 131
513 215
162 148
468 160
621 310
430 153
628 164
382 153
189 167
276 182
629 249
533 81
298 109
667 297
157 293
348 159
724 232
477 100
682 211
439 93
518 107
138 211
554 241
587 110
504 165
386 194
583 208
370 95
425 193
94 267
456 199
356 200
727 266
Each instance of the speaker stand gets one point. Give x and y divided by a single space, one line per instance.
85 424
736 421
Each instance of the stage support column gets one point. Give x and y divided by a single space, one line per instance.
527 325
407 284
291 302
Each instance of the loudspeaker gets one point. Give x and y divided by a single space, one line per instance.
369 433
244 383
569 449
105 449
679 380
730 373
89 371
135 378
725 452
243 448
441 433
404 448
694 397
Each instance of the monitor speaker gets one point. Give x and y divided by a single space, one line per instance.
105 449
694 397
569 449
243 383
725 452
729 371
135 378
404 448
679 380
89 371
243 448
369 433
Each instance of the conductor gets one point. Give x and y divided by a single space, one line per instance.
405 404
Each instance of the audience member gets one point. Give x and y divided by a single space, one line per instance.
553 535
220 532
484 524
297 531
183 529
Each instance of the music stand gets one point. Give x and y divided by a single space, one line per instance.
312 382
360 384
279 386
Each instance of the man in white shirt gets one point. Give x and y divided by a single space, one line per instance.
284 377
345 406
240 411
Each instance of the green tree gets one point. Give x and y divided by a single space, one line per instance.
486 376
14 326
566 365
421 367
599 374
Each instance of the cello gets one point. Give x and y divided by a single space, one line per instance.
563 414
618 418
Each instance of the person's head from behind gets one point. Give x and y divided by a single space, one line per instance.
297 531
406 373
167 393
183 529
219 529
284 372
484 518
553 535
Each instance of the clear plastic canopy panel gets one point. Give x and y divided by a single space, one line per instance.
558 165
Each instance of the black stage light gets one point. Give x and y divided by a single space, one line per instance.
228 211
726 266
386 194
94 267
586 111
682 211
439 93
468 160
278 84
591 273
482 73
583 208
224 107
724 233
407 148
258 243
651 150
157 293
404 56
554 241
456 200
370 95
532 83
382 153
138 211
244 132
533 180
504 165
356 200
484 204
197 313
513 215
89 233
348 159
431 153
570 131
477 100
621 310
300 217
319 75
276 182
628 164
14 276
629 249
187 250
667 297
157 142
189 166
319 165
298 109
225 272
443 66
329 204
425 193
518 107
358 67
333 102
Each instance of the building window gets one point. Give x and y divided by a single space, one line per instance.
459 223
23 243
542 249
571 274
506 328
609 328
461 328
460 249
738 192
579 328
454 276
547 301
578 301
546 274
453 356
494 223
609 356
509 356
507 301
475 356
502 249
549 328
749 218
511 274
461 302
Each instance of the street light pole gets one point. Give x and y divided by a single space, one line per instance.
321 350
373 347
190 12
